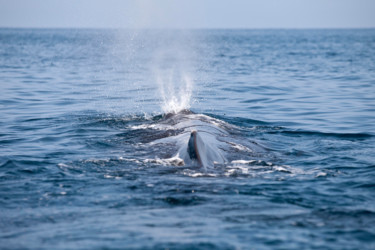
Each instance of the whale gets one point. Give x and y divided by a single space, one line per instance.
195 139
191 139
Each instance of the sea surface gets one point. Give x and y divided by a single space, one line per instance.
91 121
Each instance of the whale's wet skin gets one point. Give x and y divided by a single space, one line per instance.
197 142
265 141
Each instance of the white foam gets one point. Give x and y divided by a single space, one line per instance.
142 126
241 147
321 174
62 165
173 161
244 162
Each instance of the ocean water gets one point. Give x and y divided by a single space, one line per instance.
92 122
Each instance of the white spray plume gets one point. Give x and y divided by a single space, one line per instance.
175 93
173 71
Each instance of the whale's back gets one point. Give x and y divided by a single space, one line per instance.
202 149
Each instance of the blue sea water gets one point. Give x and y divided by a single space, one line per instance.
83 112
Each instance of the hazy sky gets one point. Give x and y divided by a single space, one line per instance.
188 13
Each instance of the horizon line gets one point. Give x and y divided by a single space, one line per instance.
200 28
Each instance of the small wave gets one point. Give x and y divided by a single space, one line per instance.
260 167
247 166
240 147
239 121
9 164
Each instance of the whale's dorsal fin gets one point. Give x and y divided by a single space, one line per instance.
201 150
192 148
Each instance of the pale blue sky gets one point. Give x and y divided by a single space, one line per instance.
188 13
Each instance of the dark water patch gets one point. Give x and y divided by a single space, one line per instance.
370 186
348 136
5 142
184 200
9 164
105 120
200 245
346 219
38 119
239 121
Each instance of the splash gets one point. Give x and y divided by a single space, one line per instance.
175 91
173 66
